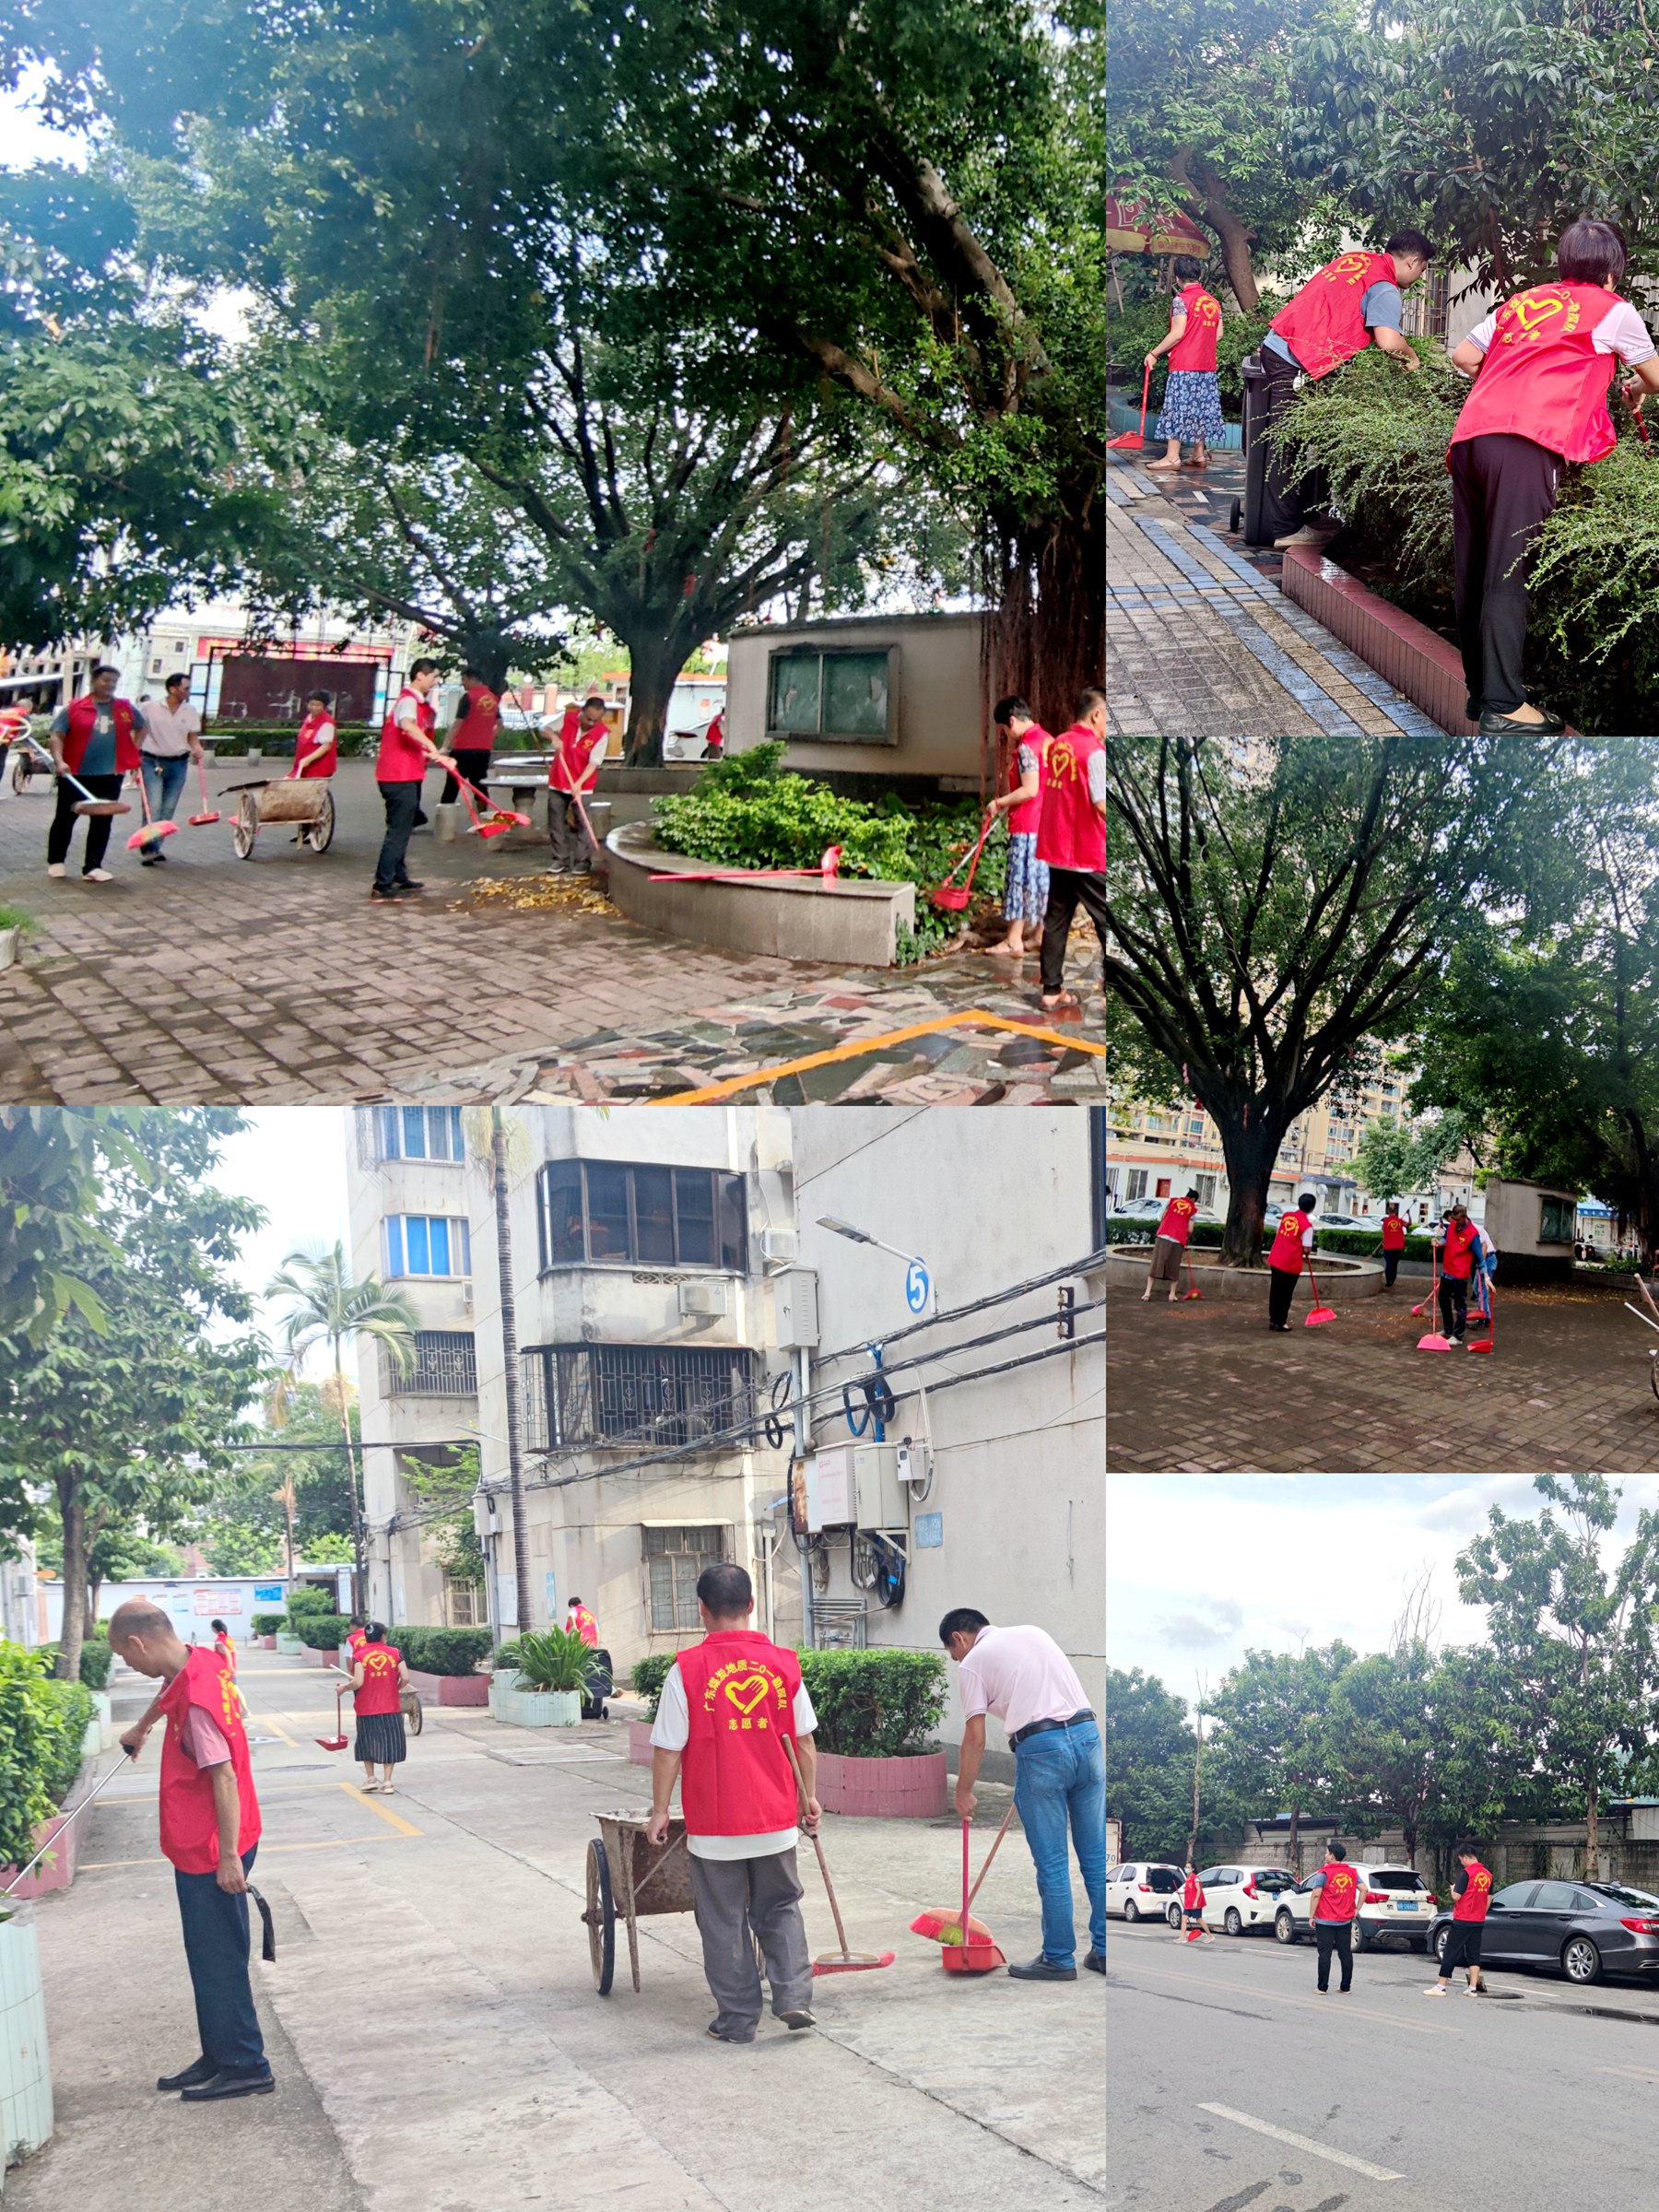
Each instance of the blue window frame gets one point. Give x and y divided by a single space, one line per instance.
420 1133
427 1245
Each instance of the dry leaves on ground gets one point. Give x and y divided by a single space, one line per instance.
535 894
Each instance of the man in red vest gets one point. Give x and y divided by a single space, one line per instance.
1192 400
472 739
1460 1246
1336 1906
1472 1887
1071 842
210 1832
1293 1236
578 1621
95 738
727 1706
1393 1241
1542 363
1354 301
577 759
408 750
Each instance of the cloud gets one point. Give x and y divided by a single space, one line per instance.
1220 1622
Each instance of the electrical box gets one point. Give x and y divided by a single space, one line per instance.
796 1308
855 1486
830 1491
704 1301
777 1245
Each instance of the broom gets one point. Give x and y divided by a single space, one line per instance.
151 832
1132 441
843 1961
89 805
1190 1291
1434 1341
207 815
946 1924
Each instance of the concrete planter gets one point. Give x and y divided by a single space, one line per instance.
25 2061
539 1708
11 946
1341 1280
450 1690
854 923
639 1743
290 1646
62 1836
501 1686
885 1788
266 1643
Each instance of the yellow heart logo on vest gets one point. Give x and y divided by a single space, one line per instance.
1534 308
758 1684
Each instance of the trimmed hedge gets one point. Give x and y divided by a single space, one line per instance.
267 1624
874 1704
96 1661
306 1598
440 1651
1206 1237
275 741
648 1674
320 1631
42 1727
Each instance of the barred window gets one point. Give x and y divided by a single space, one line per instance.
644 1395
629 1213
445 1366
674 1560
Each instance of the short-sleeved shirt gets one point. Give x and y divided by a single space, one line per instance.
671 1730
1021 1675
1622 331
169 730
98 760
204 1738
1381 307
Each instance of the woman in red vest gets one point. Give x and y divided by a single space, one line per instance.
1542 364
1071 842
1460 1244
1026 885
378 1677
577 759
1170 1245
317 743
472 740
95 737
1293 1236
1192 400
406 750
1354 301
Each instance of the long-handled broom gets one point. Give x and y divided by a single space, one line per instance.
1190 1291
152 830
843 1961
967 1945
208 814
1433 1341
87 806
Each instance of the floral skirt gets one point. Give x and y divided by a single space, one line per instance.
1025 894
1192 408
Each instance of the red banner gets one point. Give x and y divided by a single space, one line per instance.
254 687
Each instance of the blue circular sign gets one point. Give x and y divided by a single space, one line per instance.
917 1288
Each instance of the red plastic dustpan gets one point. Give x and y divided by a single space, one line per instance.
1433 1342
336 1743
1320 1315
954 897
965 1955
1132 441
207 815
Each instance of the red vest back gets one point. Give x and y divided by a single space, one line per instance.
736 1778
1197 348
585 1625
1457 1254
1477 1896
1178 1219
478 732
1286 1250
1323 325
1394 1233
1025 820
378 1662
189 1821
83 712
305 741
1070 833
400 760
1340 1899
574 755
1542 377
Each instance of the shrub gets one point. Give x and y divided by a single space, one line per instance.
442 1651
42 1725
320 1631
17 918
648 1674
96 1661
267 1624
879 1704
556 1660
306 1598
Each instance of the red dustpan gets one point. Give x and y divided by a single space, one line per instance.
1320 1315
337 1742
1434 1341
953 897
964 1944
207 815
1485 1342
1132 441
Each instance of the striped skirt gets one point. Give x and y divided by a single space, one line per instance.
381 1740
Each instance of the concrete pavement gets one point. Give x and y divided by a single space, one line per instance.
439 2042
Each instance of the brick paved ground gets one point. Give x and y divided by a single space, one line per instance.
1207 1387
1198 635
275 979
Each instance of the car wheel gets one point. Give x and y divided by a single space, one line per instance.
1283 1928
1438 1941
1363 1937
1173 1917
1581 1961
1131 1911
1232 1921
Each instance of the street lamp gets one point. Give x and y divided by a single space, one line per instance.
919 1294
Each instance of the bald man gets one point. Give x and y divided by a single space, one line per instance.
210 1832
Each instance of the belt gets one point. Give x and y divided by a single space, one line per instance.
1073 1719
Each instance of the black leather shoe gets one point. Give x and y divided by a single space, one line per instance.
1096 1962
1493 724
797 2018
1043 1970
203 2069
221 2085
408 891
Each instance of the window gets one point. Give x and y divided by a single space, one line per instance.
1207 1189
1553 1897
420 1133
1163 1187
1518 1893
631 1215
674 1560
1558 1221
643 1394
464 1605
427 1244
445 1367
844 697
1135 1186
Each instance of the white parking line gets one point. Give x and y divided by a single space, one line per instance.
1317 2150
1631 2073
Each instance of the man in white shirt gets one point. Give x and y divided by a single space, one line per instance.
727 1707
171 739
1023 1676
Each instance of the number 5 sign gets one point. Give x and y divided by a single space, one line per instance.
918 1290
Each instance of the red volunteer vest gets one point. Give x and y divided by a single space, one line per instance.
305 742
225 1648
1323 325
1178 1219
1026 819
1457 1259
736 1778
715 734
1286 1250
1394 1233
355 1642
189 1822
478 732
576 749
83 712
400 760
378 1662
1192 1895
585 1625
1542 377
1196 347
1477 1896
1340 1899
1070 832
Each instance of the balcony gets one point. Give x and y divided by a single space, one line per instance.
638 1396
445 1367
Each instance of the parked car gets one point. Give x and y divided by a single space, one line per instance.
1580 1929
1393 1901
1237 1898
1139 1890
1341 1221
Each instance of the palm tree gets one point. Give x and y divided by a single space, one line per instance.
500 1141
329 1308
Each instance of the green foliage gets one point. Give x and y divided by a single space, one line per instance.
319 1631
308 1598
17 918
442 1651
874 1704
48 1198
42 1726
557 1659
1392 1161
96 1660
1274 1751
648 1674
267 1624
1150 1745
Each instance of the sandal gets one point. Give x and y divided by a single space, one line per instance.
369 1788
1065 1002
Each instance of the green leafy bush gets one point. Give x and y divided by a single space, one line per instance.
442 1651
320 1631
305 1597
648 1674
874 1704
42 1726
555 1660
267 1624
96 1661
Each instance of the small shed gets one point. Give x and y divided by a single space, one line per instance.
1534 1225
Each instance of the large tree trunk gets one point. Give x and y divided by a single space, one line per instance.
654 663
510 1357
1207 200
1046 581
1251 1147
73 1514
1592 1834
488 652
1290 1858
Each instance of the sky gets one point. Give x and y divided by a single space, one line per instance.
1202 1567
291 1161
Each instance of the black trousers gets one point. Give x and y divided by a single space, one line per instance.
216 1949
1334 1935
474 763
1068 890
1281 1289
64 819
1391 1268
1454 1304
1462 1948
403 803
1503 491
1286 500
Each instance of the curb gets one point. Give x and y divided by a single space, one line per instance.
1415 659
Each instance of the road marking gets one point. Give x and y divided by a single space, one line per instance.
270 1721
1317 2150
265 1851
404 1828
976 1017
1267 1996
1631 2073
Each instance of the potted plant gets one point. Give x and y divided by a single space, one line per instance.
876 1712
551 1670
15 925
648 1674
266 1628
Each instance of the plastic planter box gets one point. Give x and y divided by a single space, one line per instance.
539 1708
887 1788
290 1646
450 1690
25 2062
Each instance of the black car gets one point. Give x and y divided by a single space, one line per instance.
1585 1929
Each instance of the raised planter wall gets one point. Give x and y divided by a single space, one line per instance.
1416 659
266 1643
290 1647
25 2061
538 1708
793 918
889 1788
1340 1281
639 1743
323 1658
450 1690
63 1835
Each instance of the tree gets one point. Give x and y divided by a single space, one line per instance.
49 1189
1573 1635
329 1308
1150 1749
281 1504
1391 1159
1278 909
1274 1749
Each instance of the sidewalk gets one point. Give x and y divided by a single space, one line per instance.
438 2043
1199 637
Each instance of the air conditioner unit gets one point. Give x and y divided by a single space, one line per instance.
467 1297
777 1245
704 1301
796 1308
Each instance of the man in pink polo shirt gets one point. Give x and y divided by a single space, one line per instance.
1023 1676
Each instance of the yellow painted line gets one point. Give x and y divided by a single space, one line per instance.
266 1851
1631 2073
975 1019
1322 2005
269 1720
403 1827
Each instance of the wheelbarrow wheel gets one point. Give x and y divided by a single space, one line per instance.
245 830
601 1918
20 771
1654 1373
413 1712
320 833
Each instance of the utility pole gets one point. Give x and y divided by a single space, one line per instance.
510 1358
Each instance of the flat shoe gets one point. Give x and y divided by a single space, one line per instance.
1493 724
798 2018
199 2071
229 2085
1043 1970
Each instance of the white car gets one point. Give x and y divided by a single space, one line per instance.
1340 1221
1393 1901
1141 1889
1237 1898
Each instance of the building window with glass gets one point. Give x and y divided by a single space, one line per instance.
837 697
427 1244
636 1396
674 1560
620 1214
419 1132
445 1366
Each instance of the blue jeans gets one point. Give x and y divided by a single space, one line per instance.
1060 1779
216 1949
163 781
